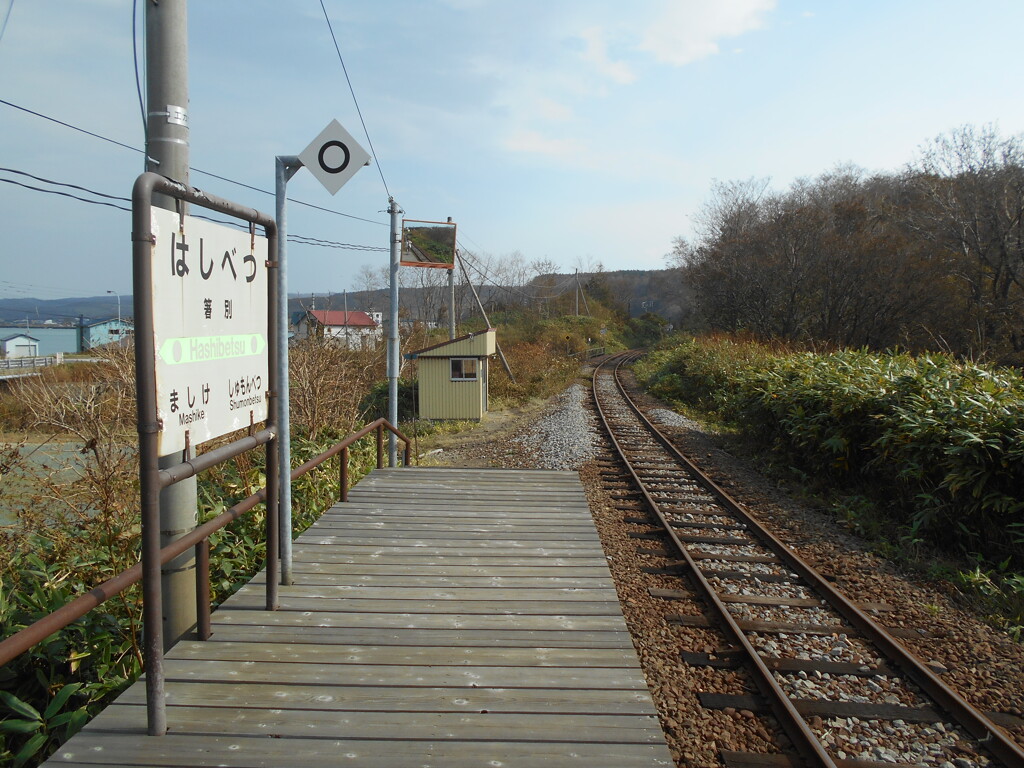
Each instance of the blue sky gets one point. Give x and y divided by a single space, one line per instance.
580 131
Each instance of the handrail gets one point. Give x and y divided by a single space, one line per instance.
24 639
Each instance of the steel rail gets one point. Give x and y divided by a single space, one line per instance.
796 728
989 735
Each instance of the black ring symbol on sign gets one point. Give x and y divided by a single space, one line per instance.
334 168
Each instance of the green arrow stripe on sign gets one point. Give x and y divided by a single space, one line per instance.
199 349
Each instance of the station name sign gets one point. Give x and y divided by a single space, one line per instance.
210 320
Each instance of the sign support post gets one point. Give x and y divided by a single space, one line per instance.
285 167
333 158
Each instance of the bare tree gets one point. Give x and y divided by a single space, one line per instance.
974 180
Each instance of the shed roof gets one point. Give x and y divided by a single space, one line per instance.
19 336
476 344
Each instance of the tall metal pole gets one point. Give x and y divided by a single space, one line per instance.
284 168
451 303
451 297
167 147
118 295
344 298
393 348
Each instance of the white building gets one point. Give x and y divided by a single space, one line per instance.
19 345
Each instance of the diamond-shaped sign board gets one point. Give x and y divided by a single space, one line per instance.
334 157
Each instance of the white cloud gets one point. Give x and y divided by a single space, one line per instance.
533 142
688 30
552 110
596 53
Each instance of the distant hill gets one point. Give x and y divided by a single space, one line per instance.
62 311
636 291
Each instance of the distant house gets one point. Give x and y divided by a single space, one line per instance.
354 330
20 345
453 377
99 333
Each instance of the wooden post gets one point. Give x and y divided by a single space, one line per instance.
344 474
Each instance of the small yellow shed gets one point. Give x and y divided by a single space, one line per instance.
453 377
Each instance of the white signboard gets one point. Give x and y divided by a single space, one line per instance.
334 157
210 329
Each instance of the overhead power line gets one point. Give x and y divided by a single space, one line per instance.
7 17
301 239
197 170
344 69
66 194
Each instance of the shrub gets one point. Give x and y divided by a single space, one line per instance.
940 440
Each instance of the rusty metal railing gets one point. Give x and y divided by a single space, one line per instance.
23 640
379 426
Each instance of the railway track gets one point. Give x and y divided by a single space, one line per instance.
837 682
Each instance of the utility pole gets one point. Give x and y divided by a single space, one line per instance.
167 143
577 278
393 348
348 341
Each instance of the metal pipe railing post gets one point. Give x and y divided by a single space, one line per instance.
273 526
380 446
203 590
143 243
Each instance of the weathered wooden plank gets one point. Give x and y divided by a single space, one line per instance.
325 574
255 599
509 638
337 698
400 620
490 594
330 654
465 526
423 726
301 673
559 503
315 553
505 572
441 543
261 752
495 511
453 533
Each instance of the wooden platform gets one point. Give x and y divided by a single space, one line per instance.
442 617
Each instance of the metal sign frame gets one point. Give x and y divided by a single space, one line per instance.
152 479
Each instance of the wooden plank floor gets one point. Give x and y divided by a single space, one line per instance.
442 617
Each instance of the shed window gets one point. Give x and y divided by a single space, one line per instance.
464 368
